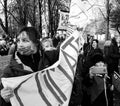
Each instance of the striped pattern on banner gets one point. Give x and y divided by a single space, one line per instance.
51 86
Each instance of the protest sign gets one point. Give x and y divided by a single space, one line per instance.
63 21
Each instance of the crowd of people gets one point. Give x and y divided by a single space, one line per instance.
90 88
95 88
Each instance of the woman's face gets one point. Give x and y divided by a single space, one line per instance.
24 45
94 44
46 45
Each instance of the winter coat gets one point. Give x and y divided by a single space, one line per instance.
93 56
112 58
48 58
92 88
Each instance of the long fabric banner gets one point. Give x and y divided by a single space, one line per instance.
51 86
83 12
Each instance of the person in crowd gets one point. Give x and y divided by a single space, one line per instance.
56 40
3 45
94 56
26 59
87 45
98 88
12 47
47 44
113 57
87 41
49 55
89 57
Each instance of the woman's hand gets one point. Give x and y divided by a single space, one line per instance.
6 94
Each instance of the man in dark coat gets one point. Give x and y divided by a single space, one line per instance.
93 88
113 57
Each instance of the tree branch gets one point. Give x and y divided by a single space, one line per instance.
2 25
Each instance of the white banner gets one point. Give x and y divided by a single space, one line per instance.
51 86
82 12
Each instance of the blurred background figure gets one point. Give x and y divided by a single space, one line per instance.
47 44
3 45
92 56
112 57
87 45
49 53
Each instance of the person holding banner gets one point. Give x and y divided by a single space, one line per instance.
112 57
26 59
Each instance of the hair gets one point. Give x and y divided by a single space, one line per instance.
113 41
97 57
32 34
46 39
95 41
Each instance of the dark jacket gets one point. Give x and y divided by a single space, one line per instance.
113 56
48 58
92 88
93 56
16 69
36 62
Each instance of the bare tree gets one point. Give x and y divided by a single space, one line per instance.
6 16
5 27
40 16
19 12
